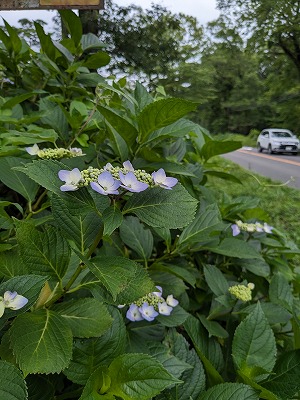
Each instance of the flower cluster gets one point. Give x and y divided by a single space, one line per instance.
150 306
54 154
254 227
12 300
110 180
242 292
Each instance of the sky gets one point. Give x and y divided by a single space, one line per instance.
203 10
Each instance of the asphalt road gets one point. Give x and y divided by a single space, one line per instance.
279 167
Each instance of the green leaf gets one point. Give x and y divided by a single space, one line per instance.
82 229
16 180
284 381
199 230
179 128
40 387
11 264
257 267
137 237
91 353
280 292
215 280
97 60
12 384
138 377
176 318
274 313
207 349
73 24
43 251
121 124
112 218
45 173
232 247
162 113
158 207
254 346
193 379
213 328
124 279
231 391
42 342
214 148
86 317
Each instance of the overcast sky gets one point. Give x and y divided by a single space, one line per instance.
203 10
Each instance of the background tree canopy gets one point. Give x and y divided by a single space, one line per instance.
243 69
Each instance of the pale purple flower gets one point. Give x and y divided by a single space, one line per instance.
106 184
108 167
133 313
235 230
171 301
33 151
76 151
164 309
130 182
159 293
12 300
268 228
128 166
160 179
148 312
72 178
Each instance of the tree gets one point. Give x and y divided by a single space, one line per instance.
148 44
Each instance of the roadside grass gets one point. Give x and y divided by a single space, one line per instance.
281 202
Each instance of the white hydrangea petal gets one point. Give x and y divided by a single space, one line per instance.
171 301
14 301
32 150
164 309
128 166
64 175
68 188
2 308
75 175
95 186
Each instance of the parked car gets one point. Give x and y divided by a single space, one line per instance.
278 141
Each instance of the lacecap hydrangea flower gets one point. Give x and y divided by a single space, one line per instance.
252 227
110 180
150 306
54 154
11 300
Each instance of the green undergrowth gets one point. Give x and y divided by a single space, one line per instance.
280 202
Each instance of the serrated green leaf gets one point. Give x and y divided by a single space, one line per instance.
162 113
231 391
43 251
138 377
280 292
179 128
125 280
214 148
91 353
137 237
284 381
207 349
112 218
12 384
254 346
86 317
213 328
82 228
41 342
16 180
274 313
163 208
11 264
176 318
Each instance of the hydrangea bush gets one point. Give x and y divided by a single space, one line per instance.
122 276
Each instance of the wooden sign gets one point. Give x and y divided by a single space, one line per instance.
50 4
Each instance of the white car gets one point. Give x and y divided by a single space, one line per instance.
277 141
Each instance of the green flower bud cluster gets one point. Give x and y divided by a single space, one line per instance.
152 299
89 175
54 154
242 292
